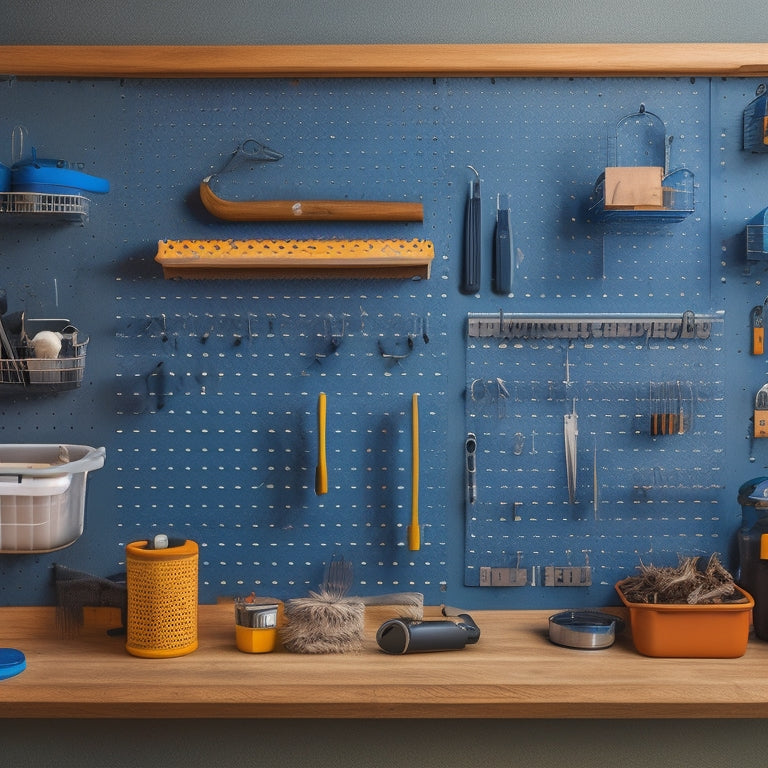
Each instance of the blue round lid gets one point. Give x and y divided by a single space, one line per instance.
12 662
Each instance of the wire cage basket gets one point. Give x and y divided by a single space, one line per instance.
757 237
22 370
65 207
755 122
639 183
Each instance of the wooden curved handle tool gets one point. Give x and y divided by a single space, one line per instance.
414 532
309 210
321 471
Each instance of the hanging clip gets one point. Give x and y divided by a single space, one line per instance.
761 412
687 325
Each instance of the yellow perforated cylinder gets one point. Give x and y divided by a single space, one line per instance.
162 600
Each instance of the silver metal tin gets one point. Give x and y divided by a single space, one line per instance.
584 629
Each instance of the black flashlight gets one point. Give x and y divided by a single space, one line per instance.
412 635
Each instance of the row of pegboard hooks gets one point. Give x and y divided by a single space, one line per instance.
331 333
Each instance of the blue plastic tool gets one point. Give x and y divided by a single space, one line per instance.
48 176
502 254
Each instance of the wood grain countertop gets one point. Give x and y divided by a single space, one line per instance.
512 672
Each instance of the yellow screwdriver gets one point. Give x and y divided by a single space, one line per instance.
414 534
321 470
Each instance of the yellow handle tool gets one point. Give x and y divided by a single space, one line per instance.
321 470
758 330
414 532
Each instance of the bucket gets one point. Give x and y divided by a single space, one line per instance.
162 599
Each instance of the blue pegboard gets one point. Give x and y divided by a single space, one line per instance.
644 490
204 392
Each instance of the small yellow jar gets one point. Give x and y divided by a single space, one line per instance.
251 640
257 620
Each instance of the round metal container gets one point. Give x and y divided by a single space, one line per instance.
585 630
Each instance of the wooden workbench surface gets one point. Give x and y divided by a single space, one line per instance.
513 672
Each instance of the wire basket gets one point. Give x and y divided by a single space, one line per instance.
43 205
757 237
24 372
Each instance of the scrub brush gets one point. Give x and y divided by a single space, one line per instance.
323 623
399 605
76 590
47 344
327 621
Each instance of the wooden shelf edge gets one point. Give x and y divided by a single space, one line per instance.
296 272
295 259
382 60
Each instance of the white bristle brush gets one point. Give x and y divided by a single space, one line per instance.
47 344
400 605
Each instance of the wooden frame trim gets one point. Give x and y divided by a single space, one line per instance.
409 60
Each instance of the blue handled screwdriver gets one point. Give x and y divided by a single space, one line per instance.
470 272
502 254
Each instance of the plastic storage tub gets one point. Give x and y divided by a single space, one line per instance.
675 630
42 495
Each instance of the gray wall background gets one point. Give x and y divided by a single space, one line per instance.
257 22
223 743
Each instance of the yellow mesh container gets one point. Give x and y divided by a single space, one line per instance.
162 600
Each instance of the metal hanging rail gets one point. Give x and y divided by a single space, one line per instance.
670 327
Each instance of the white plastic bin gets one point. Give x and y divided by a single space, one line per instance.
42 495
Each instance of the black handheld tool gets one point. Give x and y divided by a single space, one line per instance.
399 636
470 271
502 253
470 453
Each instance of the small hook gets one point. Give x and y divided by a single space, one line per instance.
254 151
687 324
473 394
334 339
391 356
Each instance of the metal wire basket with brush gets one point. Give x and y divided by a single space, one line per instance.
40 356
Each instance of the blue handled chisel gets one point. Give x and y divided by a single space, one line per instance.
470 272
502 254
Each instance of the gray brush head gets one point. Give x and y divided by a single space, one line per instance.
322 623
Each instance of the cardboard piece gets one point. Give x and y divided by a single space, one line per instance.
633 187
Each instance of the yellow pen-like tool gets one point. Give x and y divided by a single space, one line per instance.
758 330
321 471
414 533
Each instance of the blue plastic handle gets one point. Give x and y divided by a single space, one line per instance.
502 256
470 273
